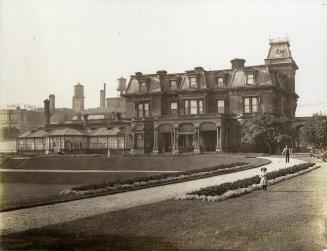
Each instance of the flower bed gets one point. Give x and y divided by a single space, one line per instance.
240 187
140 182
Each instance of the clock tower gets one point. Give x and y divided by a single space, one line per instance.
282 65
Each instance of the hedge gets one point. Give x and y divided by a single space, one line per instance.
244 183
161 178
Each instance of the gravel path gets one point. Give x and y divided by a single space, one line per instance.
24 219
81 171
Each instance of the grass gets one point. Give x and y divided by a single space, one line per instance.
288 217
13 185
121 163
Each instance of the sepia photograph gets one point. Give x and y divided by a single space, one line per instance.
141 125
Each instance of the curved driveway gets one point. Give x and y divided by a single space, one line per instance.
24 219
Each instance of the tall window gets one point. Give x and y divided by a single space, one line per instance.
193 107
146 110
221 106
250 79
193 82
251 104
200 106
173 108
143 110
140 110
254 104
186 107
220 81
143 87
173 85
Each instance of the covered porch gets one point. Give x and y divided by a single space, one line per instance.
188 137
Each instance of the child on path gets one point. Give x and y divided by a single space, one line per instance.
263 179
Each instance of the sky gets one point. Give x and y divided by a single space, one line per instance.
47 46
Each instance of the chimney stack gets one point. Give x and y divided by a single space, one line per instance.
103 96
46 111
52 105
121 85
237 63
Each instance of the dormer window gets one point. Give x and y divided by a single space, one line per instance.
193 82
142 87
250 79
173 85
220 81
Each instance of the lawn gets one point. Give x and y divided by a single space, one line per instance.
22 189
290 216
181 163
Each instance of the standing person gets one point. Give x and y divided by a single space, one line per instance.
263 179
287 152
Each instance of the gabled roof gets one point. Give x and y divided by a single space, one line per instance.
25 134
153 84
262 76
105 131
66 132
38 134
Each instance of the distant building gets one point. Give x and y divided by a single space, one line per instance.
78 98
194 111
16 121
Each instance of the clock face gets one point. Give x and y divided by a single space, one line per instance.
280 51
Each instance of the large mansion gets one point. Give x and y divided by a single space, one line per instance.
194 111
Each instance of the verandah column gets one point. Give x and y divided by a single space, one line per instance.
176 148
133 140
197 138
218 144
155 139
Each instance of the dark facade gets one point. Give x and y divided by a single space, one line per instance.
199 110
13 122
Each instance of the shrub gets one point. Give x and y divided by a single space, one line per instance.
244 183
161 177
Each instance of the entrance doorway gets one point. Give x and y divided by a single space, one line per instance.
166 144
185 142
208 141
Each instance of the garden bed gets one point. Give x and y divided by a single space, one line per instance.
240 187
155 180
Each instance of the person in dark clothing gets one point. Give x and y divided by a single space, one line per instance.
287 152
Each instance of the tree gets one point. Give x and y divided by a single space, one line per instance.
315 131
267 129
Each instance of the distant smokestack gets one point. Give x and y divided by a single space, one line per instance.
46 111
103 96
52 103
122 85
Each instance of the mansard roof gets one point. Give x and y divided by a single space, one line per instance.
233 78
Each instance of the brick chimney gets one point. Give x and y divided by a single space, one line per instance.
138 74
237 63
52 105
46 112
